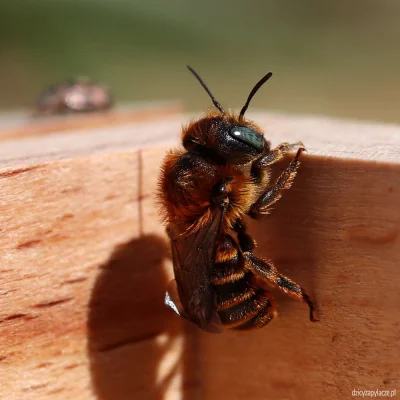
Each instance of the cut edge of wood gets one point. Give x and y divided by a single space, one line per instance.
323 137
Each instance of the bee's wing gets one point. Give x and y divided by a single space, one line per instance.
193 257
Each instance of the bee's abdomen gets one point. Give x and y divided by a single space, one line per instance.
240 303
233 293
243 306
229 263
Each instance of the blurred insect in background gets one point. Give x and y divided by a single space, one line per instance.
73 96
222 174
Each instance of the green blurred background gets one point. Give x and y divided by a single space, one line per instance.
328 57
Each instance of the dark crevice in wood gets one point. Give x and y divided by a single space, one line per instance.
44 365
13 316
29 243
72 366
18 171
74 280
52 303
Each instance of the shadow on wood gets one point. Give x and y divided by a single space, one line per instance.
124 322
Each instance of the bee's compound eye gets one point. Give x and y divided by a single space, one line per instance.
248 136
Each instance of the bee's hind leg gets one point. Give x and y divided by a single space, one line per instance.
267 272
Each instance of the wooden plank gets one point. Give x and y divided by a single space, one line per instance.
84 264
16 125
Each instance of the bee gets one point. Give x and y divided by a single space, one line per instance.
205 189
74 96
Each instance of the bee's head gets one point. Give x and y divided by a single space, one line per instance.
227 137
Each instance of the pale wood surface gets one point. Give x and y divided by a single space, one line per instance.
84 265
21 124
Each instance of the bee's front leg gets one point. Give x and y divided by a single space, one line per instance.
259 167
274 192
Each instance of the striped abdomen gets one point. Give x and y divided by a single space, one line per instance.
241 304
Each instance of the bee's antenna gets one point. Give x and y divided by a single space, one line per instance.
252 93
215 102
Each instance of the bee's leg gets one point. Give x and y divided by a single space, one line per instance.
259 167
274 192
267 272
221 190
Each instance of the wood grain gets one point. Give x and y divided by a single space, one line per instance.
84 263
